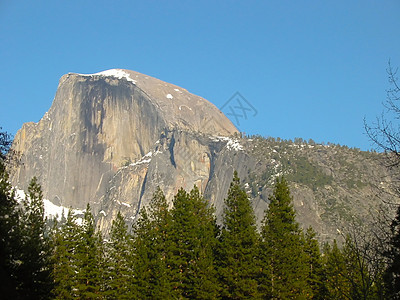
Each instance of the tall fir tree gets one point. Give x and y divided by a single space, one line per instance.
238 264
284 263
5 144
90 259
314 265
336 283
151 250
9 236
143 257
64 240
119 262
34 272
193 240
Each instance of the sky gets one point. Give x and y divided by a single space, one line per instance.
309 69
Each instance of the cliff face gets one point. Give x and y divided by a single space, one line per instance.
99 123
178 159
111 138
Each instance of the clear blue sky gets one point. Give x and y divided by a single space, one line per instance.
311 69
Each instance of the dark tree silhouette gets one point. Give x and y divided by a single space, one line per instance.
5 143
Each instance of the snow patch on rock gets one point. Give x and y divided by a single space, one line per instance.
232 144
52 210
180 107
117 73
144 160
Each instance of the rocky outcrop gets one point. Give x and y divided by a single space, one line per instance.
178 159
100 123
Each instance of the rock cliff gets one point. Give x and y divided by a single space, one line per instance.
119 130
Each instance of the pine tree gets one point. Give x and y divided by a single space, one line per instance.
161 220
89 258
193 239
151 249
65 240
338 287
34 272
5 144
285 270
206 285
143 257
9 236
314 265
119 274
238 265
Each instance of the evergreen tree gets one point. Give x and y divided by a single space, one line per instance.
89 258
193 239
161 220
314 265
151 249
119 274
285 270
65 240
338 287
5 144
35 270
392 273
9 236
143 257
238 266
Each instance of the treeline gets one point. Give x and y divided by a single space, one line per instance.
300 141
181 253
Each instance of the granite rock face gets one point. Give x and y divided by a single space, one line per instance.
178 159
113 137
